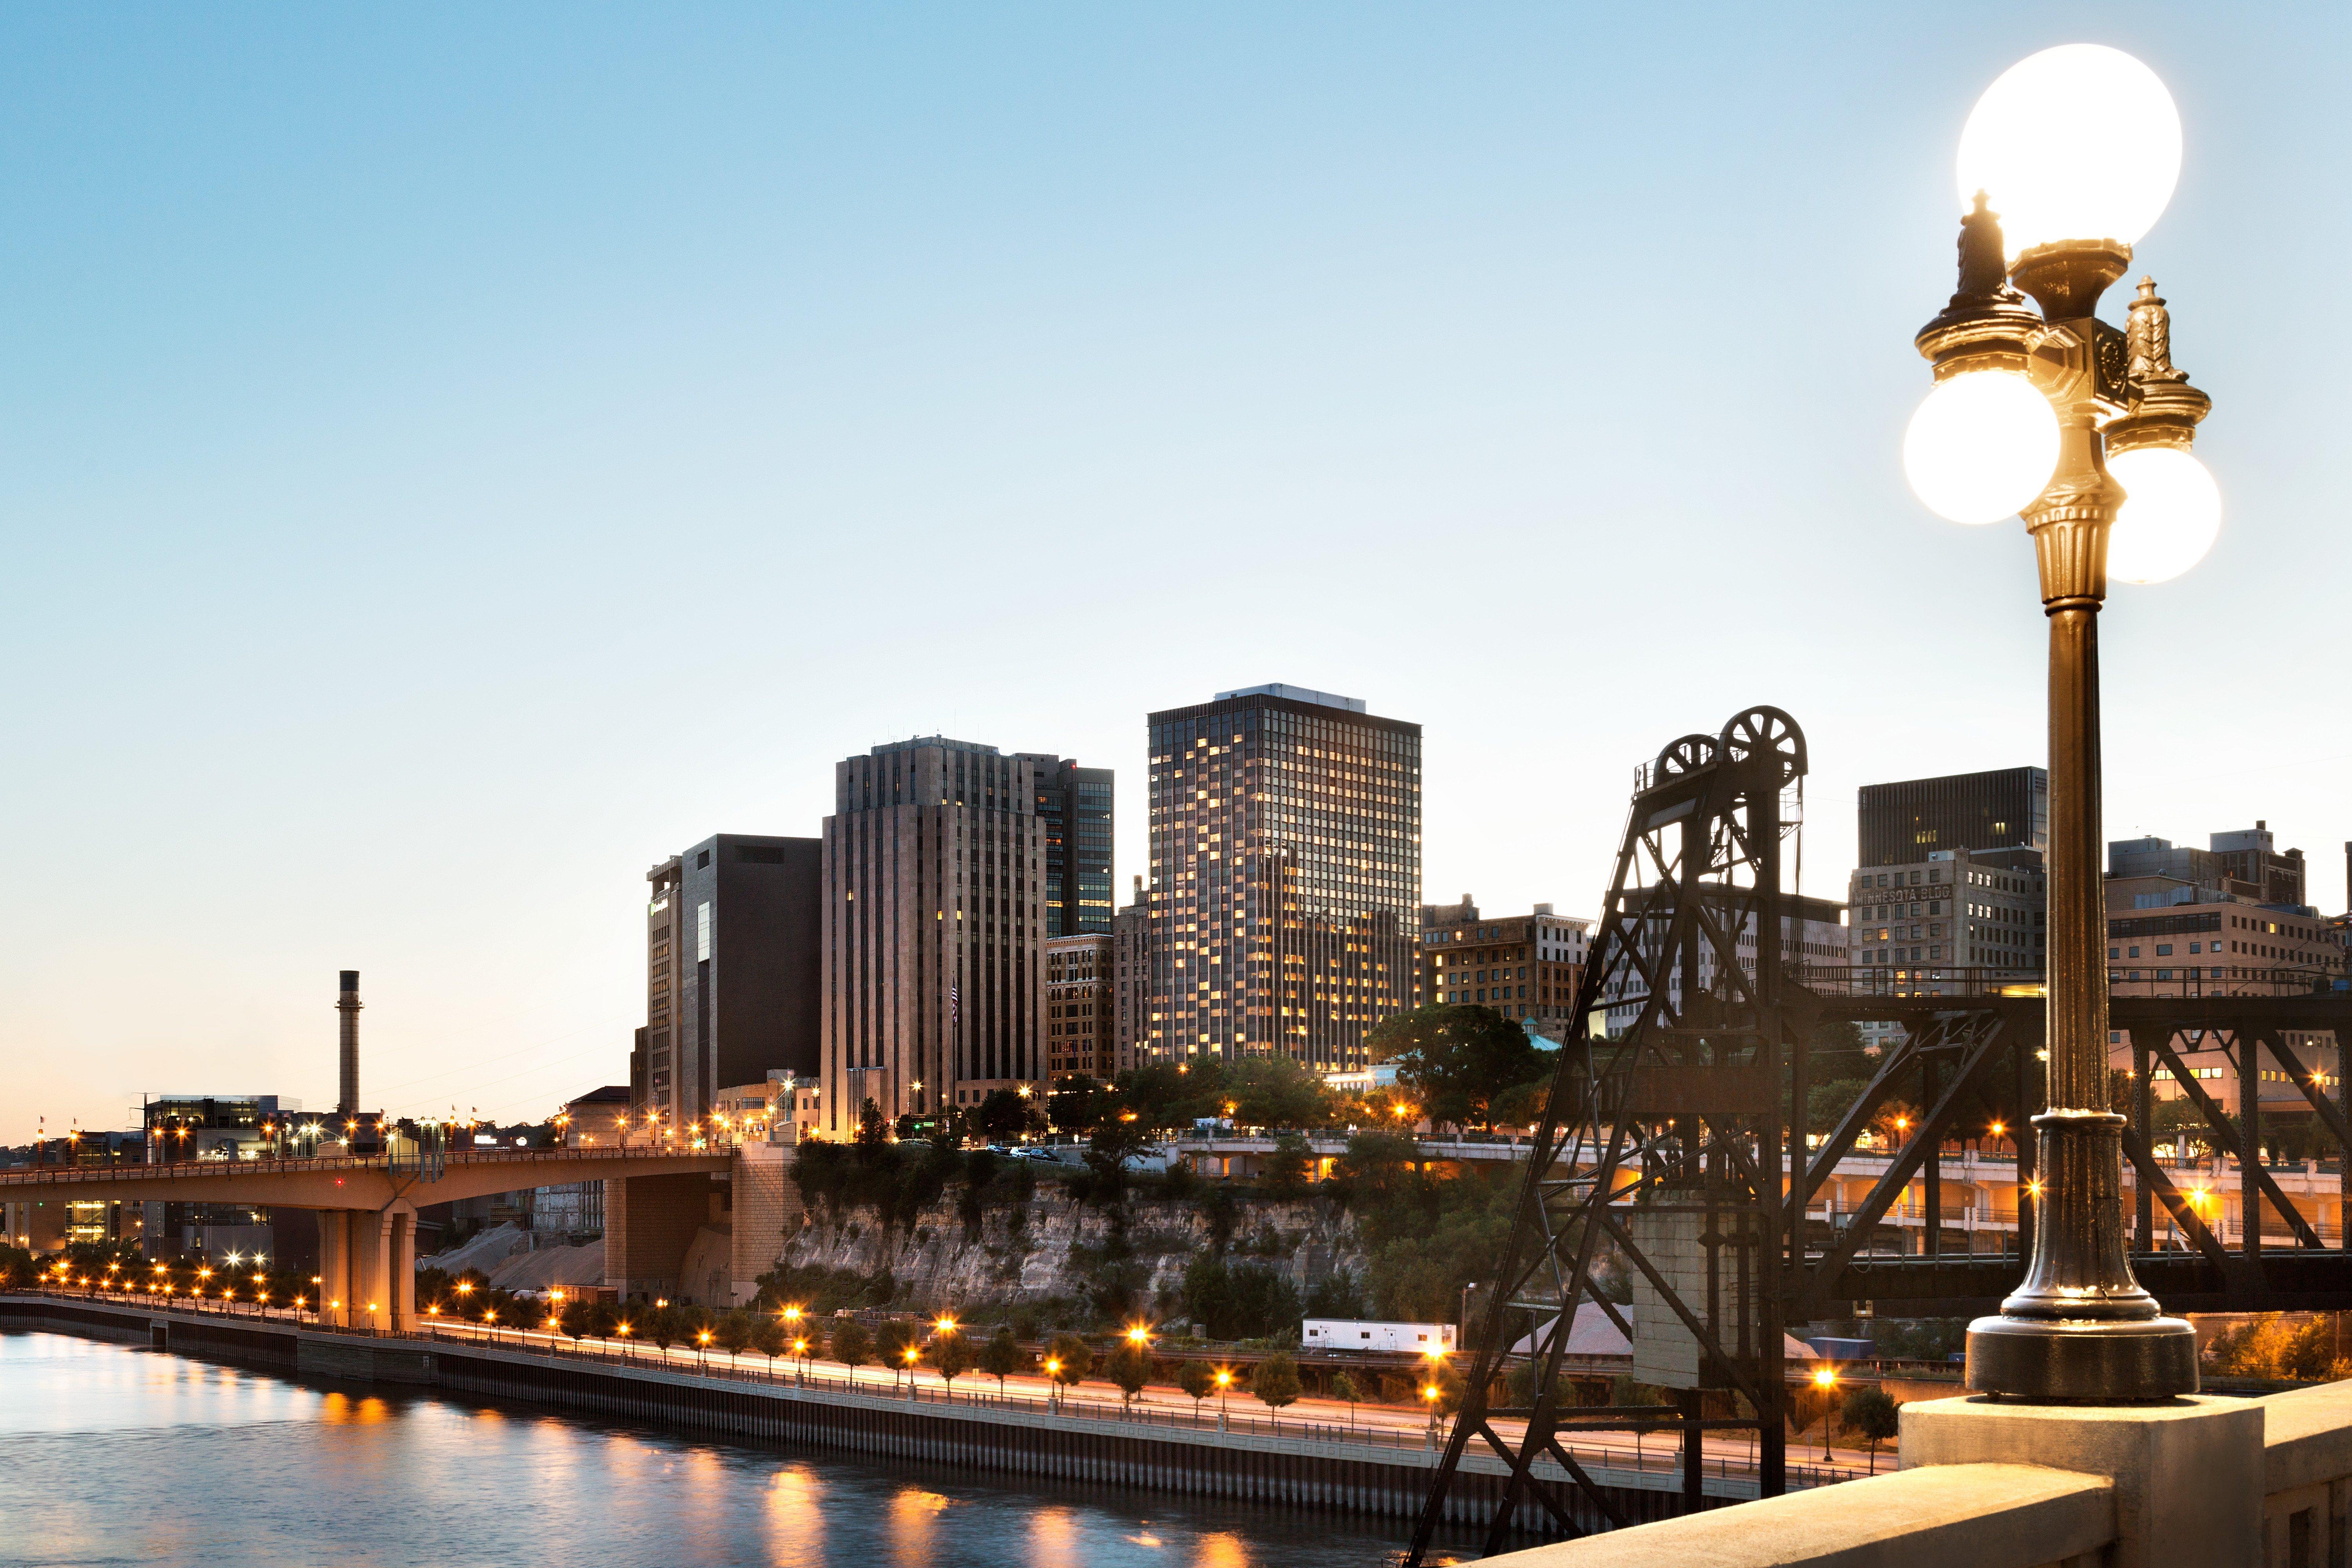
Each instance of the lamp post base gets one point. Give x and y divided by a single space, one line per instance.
2083 1360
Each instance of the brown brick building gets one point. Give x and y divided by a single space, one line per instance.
1081 1018
1523 967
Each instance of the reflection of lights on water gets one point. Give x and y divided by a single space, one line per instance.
1054 1540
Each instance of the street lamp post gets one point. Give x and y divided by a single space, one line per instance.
2085 430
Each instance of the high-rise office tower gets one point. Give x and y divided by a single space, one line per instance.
1285 875
1075 805
1907 821
731 949
934 930
1131 940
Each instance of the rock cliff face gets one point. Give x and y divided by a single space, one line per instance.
1052 1247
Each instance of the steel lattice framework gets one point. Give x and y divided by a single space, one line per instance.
1680 1115
1695 1111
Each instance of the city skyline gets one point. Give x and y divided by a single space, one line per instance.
354 412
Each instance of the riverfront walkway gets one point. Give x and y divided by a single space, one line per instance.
1647 1463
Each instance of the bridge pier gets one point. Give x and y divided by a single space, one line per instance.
649 1223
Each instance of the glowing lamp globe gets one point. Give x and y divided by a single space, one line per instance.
2081 142
1982 446
2170 520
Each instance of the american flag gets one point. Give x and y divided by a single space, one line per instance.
953 1003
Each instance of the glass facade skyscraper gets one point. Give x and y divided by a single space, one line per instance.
1074 803
2005 809
1286 875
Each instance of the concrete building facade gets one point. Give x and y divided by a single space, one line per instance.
1130 936
1905 822
734 933
1286 875
934 975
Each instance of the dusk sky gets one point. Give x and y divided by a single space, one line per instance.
452 457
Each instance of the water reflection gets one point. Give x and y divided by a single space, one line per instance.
119 1454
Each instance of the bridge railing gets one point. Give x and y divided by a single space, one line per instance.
2131 978
304 1165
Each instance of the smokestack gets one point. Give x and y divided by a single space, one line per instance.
347 1098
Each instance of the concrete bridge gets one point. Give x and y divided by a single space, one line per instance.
655 1201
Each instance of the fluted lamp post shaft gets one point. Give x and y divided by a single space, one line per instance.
2079 1327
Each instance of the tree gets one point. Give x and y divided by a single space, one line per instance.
735 1332
1284 1169
1197 1382
893 1342
1078 1104
950 1358
1338 1294
1456 1058
768 1337
1377 1167
1129 1367
1522 1105
1871 1411
850 1344
568 1317
599 1320
1115 1141
1275 1381
661 1326
1001 1357
873 1128
1068 1360
1165 1096
1005 1115
16 1267
695 1325
1344 1388
1239 1300
1277 1091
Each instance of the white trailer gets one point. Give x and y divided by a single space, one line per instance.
1362 1335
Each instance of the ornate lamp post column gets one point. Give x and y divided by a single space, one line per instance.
2029 407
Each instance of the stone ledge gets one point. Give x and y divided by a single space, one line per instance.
1952 1516
2188 1473
2306 1438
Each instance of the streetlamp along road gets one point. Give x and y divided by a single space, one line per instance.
2065 161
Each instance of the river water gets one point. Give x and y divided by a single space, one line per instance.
112 1454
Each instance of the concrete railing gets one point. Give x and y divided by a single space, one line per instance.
2201 1482
2306 1477
1957 1516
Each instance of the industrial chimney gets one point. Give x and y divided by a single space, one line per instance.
347 1096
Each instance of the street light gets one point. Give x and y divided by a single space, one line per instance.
1825 1379
2067 159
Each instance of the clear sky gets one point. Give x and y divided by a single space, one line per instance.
451 456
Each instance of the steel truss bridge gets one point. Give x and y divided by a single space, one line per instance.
1680 1150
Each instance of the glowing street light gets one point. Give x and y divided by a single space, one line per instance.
2066 160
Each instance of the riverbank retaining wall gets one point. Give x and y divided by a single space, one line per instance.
1328 1477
